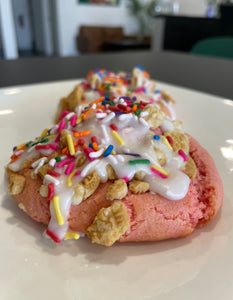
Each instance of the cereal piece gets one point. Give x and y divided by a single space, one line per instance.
111 172
63 140
177 124
81 160
79 192
161 156
139 175
190 168
43 170
109 224
180 141
167 97
44 190
139 187
33 175
91 182
155 116
25 164
16 185
117 190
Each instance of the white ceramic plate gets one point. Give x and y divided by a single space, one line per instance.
196 267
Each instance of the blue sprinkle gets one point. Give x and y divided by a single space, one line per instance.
157 91
117 113
114 84
104 102
91 146
132 154
106 97
108 150
140 68
156 137
134 99
14 149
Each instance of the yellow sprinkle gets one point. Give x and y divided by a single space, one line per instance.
21 146
164 139
70 144
71 236
69 181
160 170
117 137
51 136
79 119
56 203
44 132
113 152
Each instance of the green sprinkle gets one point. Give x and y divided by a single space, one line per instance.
29 144
137 112
135 103
111 103
40 142
139 161
108 86
87 107
57 159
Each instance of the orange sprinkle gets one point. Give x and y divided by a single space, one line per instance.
64 150
13 160
97 100
22 147
113 79
95 146
87 113
146 74
84 102
90 73
81 133
85 145
134 108
100 107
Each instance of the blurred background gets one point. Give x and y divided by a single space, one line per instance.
30 28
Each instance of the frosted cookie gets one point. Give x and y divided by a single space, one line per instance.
119 170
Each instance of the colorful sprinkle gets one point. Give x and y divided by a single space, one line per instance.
70 144
157 168
61 126
64 162
63 115
156 137
44 133
108 151
170 140
53 236
71 236
69 168
73 120
53 173
117 137
81 133
56 203
69 178
164 139
139 161
51 191
114 127
181 153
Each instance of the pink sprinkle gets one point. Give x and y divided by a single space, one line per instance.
181 153
87 151
57 138
73 120
69 168
63 114
77 173
126 179
19 152
158 173
54 147
141 89
64 162
61 126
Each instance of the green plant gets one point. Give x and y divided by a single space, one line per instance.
144 13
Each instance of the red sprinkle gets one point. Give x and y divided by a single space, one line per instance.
77 173
81 142
50 191
113 108
69 168
61 126
53 236
126 179
170 140
94 139
53 173
114 127
46 147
